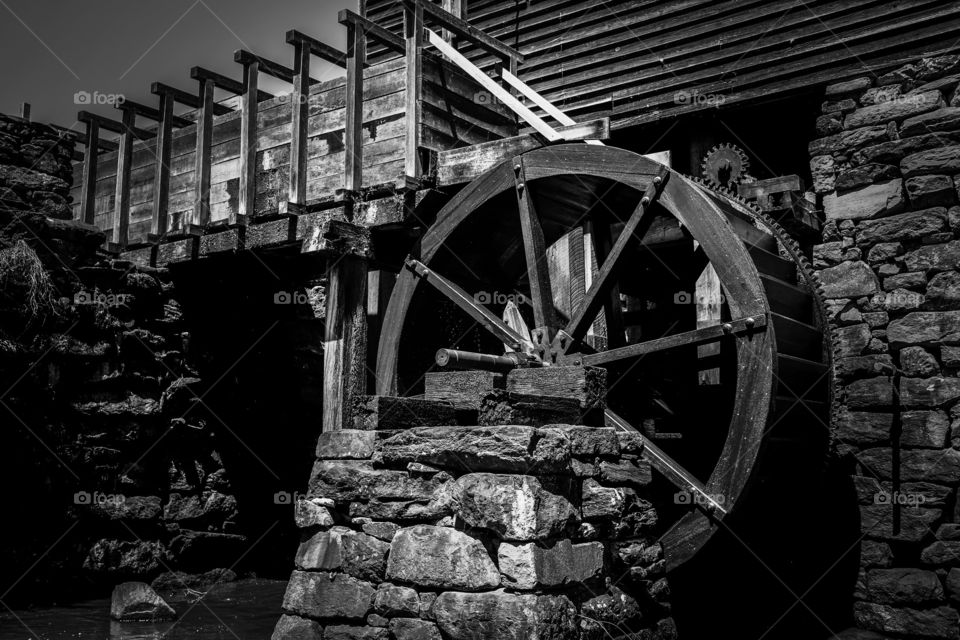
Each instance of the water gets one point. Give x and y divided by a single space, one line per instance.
242 610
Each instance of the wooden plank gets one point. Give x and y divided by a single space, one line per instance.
299 123
389 412
353 123
413 32
464 389
161 189
121 215
316 47
465 30
248 140
500 407
586 385
89 182
552 110
344 347
708 298
202 156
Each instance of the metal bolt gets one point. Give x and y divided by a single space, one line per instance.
517 168
750 322
645 201
520 186
657 180
727 327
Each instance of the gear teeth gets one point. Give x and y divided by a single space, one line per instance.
730 149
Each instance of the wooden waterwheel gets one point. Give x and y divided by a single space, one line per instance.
530 230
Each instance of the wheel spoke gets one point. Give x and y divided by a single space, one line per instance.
601 287
659 460
600 235
535 249
465 301
695 337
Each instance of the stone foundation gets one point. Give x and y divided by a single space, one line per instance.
478 532
888 173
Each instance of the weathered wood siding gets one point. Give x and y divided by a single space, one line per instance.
638 61
451 118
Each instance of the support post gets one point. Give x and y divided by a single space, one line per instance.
88 189
248 143
201 167
345 339
353 132
121 211
300 110
413 32
161 184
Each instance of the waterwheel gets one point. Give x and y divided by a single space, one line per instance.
602 250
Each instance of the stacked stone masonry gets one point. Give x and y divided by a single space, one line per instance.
508 532
887 169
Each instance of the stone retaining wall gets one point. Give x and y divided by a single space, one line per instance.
508 532
888 171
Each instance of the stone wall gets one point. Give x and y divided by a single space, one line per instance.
888 171
108 461
509 532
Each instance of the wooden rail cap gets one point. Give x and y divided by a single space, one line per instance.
318 48
113 125
186 98
373 30
225 83
466 30
150 113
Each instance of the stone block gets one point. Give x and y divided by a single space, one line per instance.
903 586
341 549
328 595
505 616
928 392
864 175
932 190
892 110
863 428
297 628
440 558
903 227
347 632
875 200
917 362
388 412
849 280
937 160
503 448
347 480
925 327
848 87
876 521
516 507
875 554
529 566
938 622
590 441
412 629
945 119
916 465
851 341
943 292
869 393
599 502
346 444
393 601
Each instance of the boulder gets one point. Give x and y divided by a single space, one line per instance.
505 616
937 160
927 429
528 566
938 622
898 109
515 507
137 601
297 628
342 549
441 558
346 444
874 200
849 280
925 327
504 448
328 595
915 225
903 586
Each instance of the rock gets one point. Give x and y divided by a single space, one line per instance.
945 119
411 629
24 179
599 502
864 366
909 280
528 566
341 549
876 521
505 616
943 292
194 510
899 109
515 507
928 392
848 280
916 465
950 356
829 124
884 251
941 552
297 628
822 168
126 557
503 448
885 198
917 362
382 530
953 585
934 257
877 95
930 191
128 507
863 428
346 444
442 558
328 595
924 429
848 87
392 601
175 580
348 480
851 341
613 609
936 67
903 586
838 106
345 632
893 152
906 226
307 513
865 175
871 393
936 160
136 601
900 300
939 622
590 441
875 554
925 327
827 254
876 319
632 473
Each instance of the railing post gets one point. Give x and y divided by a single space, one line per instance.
121 211
300 112
248 143
201 166
353 129
413 32
161 184
91 157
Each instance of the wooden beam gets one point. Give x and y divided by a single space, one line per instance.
495 89
413 31
202 160
552 110
161 183
115 126
374 31
456 9
187 98
299 115
223 82
353 130
121 211
25 111
317 48
150 113
466 30
248 143
88 186
268 67
535 250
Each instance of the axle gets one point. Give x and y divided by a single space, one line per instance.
455 359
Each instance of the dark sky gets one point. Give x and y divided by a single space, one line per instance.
51 49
